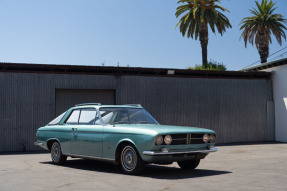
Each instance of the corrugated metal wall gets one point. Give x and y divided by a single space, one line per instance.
67 98
235 108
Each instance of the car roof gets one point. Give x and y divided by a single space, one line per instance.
98 105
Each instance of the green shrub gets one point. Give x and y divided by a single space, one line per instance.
211 65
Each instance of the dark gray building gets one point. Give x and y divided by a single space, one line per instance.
237 105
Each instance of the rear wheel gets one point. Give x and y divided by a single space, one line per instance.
56 154
189 164
131 161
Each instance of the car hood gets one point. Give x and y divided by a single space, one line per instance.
169 129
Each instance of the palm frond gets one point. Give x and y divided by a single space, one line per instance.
201 11
262 24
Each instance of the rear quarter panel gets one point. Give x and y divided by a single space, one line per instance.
59 132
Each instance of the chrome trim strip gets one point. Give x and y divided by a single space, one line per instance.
153 153
68 131
38 143
88 157
76 131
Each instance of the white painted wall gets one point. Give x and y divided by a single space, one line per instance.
279 80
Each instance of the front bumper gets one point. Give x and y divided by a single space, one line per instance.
161 153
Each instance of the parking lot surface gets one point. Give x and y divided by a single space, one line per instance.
243 167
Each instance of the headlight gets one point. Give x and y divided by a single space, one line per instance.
212 138
167 139
205 138
159 140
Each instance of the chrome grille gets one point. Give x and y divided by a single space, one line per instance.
179 139
196 139
184 139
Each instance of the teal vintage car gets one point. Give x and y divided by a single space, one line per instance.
126 135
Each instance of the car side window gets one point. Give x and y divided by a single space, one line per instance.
57 120
74 118
88 117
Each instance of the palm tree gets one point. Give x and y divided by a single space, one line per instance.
259 28
198 15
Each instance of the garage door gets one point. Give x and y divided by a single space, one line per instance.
66 98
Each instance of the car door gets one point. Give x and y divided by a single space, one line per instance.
71 125
87 137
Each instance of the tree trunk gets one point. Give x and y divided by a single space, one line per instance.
263 48
203 37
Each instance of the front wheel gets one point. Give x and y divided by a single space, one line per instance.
131 161
56 154
189 164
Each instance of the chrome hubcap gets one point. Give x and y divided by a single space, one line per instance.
55 152
129 158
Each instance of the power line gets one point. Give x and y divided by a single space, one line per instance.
281 55
252 64
277 51
268 57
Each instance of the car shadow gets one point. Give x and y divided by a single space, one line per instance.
152 171
173 173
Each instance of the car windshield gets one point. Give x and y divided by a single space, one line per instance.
126 115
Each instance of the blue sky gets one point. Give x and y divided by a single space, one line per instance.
129 32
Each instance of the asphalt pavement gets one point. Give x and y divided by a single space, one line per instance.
238 167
